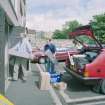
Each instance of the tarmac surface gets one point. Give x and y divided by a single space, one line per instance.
28 93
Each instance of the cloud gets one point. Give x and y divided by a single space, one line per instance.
48 15
43 22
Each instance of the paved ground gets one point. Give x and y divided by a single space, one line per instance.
77 89
28 93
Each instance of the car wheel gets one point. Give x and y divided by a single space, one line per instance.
103 86
42 60
97 87
67 63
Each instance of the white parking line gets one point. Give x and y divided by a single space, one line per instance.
95 103
67 99
87 99
55 97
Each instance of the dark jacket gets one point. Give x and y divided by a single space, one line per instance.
50 47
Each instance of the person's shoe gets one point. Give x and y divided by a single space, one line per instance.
23 79
14 79
9 78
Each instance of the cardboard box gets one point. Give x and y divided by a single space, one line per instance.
20 55
44 81
47 84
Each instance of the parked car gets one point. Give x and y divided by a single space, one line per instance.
88 64
39 56
61 54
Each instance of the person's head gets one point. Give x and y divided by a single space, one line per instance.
49 40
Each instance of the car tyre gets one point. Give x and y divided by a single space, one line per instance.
67 63
97 87
103 86
42 60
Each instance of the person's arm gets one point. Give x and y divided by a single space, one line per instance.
29 50
15 47
55 48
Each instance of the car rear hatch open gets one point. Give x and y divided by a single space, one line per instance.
85 31
90 50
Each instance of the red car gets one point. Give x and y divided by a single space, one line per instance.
39 56
89 63
61 54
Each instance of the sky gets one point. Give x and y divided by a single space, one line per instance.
49 15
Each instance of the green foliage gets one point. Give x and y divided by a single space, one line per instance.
71 25
59 35
98 26
97 23
67 28
86 39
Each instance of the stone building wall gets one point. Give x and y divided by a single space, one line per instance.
58 42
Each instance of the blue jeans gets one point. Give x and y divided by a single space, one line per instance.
50 66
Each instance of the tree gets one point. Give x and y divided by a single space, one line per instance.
67 28
98 26
58 35
71 25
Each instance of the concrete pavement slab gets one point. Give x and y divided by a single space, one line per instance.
28 93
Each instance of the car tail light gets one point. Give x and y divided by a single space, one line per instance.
86 73
81 69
